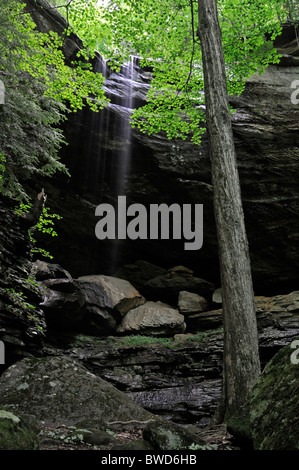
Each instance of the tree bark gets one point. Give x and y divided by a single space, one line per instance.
33 216
241 364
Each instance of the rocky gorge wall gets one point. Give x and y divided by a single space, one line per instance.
166 357
265 125
170 368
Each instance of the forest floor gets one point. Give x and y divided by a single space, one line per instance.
60 438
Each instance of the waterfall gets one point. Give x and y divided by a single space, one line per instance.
128 71
104 163
108 157
124 108
95 148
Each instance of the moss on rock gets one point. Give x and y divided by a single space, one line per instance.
15 433
239 426
59 390
274 405
165 435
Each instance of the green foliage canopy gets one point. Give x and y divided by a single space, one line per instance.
164 35
40 89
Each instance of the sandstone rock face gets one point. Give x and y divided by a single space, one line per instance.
205 320
47 19
115 294
189 303
177 379
22 322
272 313
277 309
180 378
181 382
154 319
43 270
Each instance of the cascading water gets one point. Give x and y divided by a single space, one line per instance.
113 121
110 137
128 74
95 154
127 80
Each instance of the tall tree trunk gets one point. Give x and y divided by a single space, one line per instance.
241 365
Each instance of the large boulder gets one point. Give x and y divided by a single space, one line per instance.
168 287
93 304
59 390
190 303
153 318
278 322
164 436
42 270
98 320
274 403
115 294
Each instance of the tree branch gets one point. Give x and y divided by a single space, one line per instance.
42 8
33 216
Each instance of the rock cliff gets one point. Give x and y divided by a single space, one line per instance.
265 125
